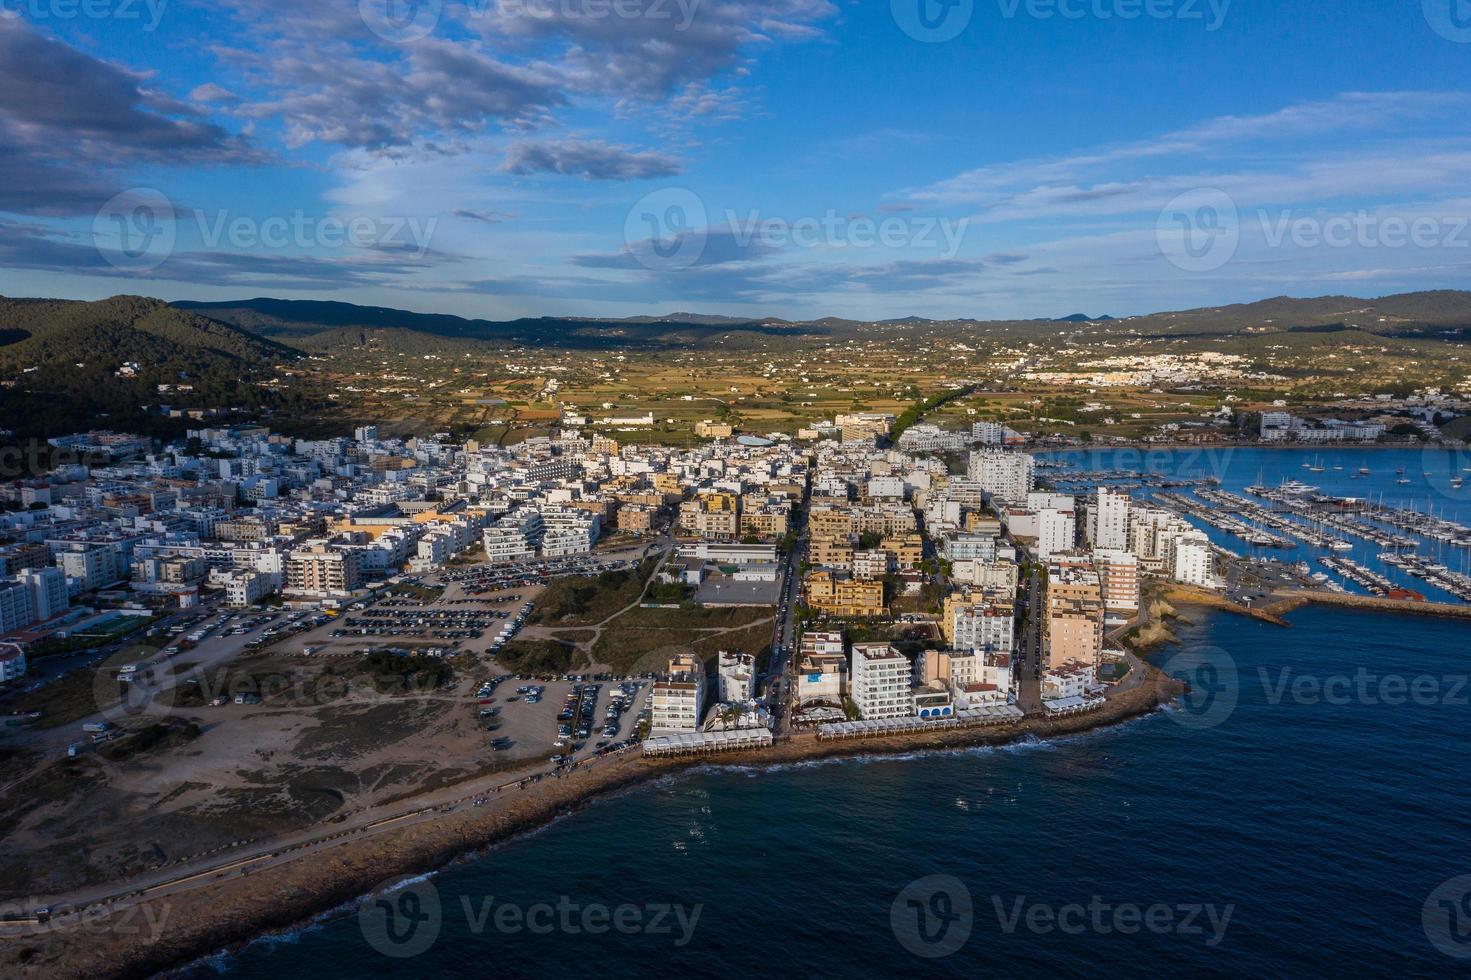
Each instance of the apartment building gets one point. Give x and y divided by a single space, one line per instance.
844 597
676 704
323 572
1073 629
881 682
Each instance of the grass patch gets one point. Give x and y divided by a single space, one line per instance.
539 657
588 600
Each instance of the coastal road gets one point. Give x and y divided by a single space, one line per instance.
254 856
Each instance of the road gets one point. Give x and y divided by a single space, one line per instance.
1029 654
253 856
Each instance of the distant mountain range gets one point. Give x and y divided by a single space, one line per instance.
312 325
47 339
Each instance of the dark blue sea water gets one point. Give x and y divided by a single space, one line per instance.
1322 813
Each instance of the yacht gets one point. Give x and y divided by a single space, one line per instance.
1363 471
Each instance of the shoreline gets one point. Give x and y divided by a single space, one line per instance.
227 916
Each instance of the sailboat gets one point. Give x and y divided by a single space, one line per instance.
1402 478
1317 466
1363 471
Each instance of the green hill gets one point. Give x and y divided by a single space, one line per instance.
68 362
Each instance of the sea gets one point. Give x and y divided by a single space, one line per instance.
1304 812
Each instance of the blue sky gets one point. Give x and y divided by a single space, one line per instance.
796 158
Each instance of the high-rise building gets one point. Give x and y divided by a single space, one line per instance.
676 704
1108 519
15 607
1075 614
47 587
881 681
1118 578
1007 476
321 571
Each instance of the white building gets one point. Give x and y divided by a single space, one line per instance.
737 677
985 628
47 587
881 682
676 704
1108 519
1057 530
1006 475
1191 560
515 537
568 532
247 588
